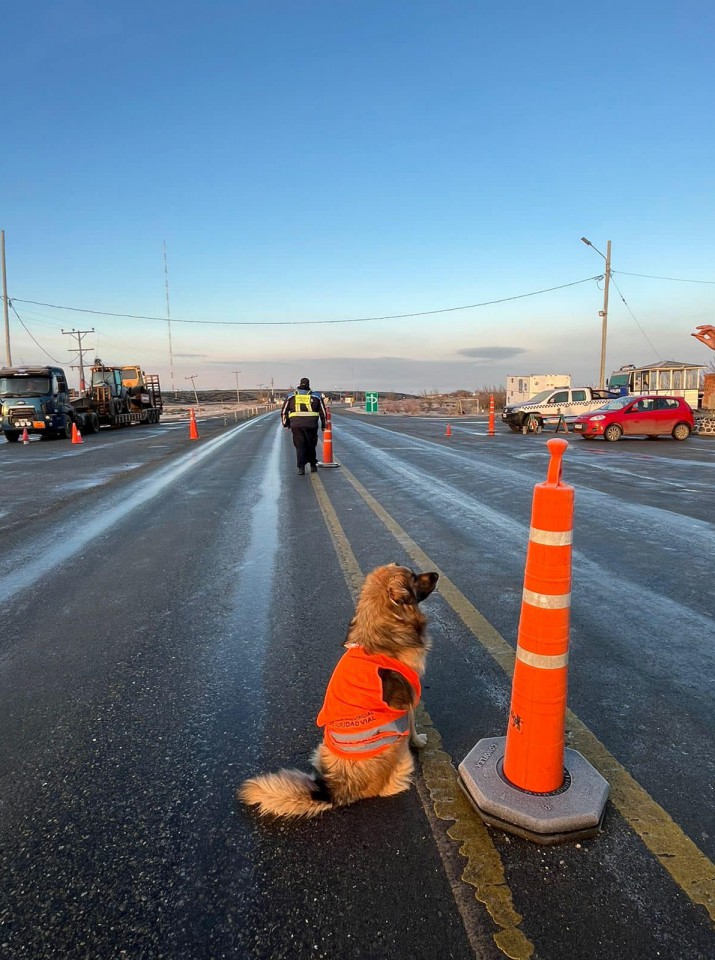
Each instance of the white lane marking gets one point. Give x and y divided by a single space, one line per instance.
28 570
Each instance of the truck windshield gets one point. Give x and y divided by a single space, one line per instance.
24 386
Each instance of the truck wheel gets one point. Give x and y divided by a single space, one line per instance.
65 433
681 431
612 432
91 423
12 436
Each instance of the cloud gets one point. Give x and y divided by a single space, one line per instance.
491 353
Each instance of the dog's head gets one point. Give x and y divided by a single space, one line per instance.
387 618
404 586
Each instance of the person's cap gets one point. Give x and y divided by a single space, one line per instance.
304 383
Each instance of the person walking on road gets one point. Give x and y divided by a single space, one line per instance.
301 412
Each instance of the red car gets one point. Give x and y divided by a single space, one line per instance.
638 416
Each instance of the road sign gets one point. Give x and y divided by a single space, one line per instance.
370 403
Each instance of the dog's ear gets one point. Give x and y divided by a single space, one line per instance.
397 691
398 591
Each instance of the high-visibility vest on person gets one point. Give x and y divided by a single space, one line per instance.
358 723
303 405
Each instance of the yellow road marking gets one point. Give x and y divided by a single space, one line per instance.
484 870
692 871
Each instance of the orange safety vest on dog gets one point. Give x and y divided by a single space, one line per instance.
358 723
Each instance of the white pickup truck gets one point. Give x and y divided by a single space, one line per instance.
550 405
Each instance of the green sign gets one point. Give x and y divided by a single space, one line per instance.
370 403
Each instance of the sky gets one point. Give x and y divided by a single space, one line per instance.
376 194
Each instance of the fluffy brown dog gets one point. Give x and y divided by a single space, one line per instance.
368 713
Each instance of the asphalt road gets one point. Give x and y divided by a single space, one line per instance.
171 611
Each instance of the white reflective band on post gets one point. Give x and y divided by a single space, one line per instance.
547 601
554 662
551 538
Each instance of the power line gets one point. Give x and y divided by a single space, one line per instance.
22 322
300 323
655 352
650 276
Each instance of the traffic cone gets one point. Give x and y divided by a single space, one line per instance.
507 778
491 432
193 429
448 431
327 460
76 435
25 436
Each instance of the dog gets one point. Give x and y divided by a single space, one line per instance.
368 711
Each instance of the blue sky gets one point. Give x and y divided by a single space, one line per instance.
329 160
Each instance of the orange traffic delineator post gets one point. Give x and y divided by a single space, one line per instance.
25 436
508 778
327 460
491 432
76 435
193 429
448 431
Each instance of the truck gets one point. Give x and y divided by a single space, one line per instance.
519 389
552 406
38 399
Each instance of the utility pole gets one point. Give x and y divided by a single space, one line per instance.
168 320
196 396
603 314
6 314
238 395
79 334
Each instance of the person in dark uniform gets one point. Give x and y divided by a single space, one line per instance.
301 412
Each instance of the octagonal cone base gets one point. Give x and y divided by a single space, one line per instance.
333 464
575 812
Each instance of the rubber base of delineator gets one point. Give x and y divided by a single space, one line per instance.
575 812
333 464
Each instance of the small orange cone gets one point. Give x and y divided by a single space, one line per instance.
76 435
193 429
448 431
327 460
25 437
491 432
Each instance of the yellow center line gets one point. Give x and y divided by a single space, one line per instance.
688 866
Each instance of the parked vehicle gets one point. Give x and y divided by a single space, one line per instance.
38 399
650 416
666 379
551 405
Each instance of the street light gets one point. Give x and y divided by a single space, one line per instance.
603 313
238 396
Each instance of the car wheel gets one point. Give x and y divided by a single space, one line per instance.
612 432
681 431
587 436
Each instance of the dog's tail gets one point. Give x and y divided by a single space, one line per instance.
288 793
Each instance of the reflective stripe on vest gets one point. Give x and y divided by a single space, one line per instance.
303 408
368 741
